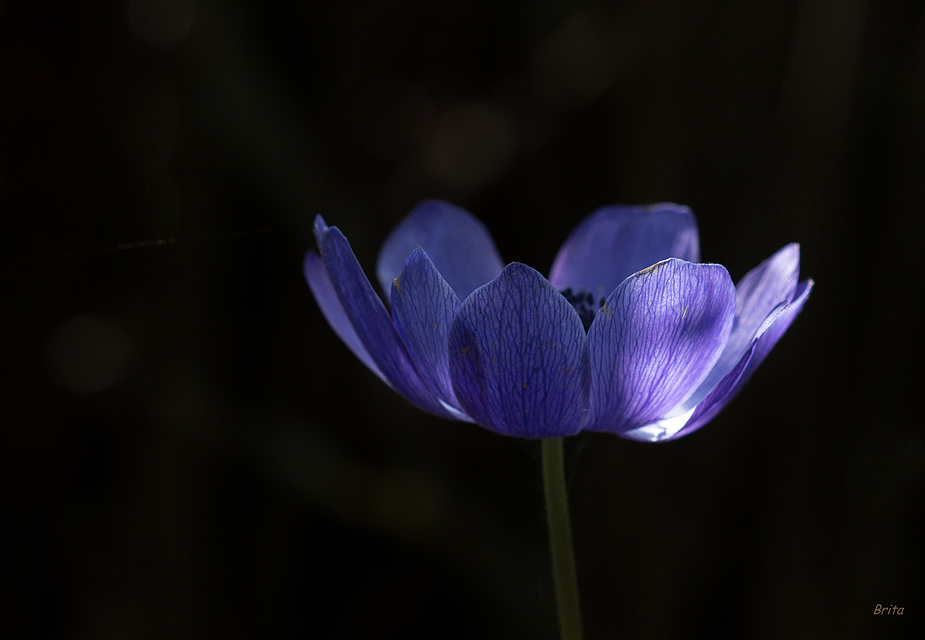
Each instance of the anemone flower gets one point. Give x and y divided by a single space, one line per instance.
630 334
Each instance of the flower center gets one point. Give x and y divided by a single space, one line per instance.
583 302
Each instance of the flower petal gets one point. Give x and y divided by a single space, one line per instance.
333 311
519 357
614 242
423 308
653 342
370 321
458 244
768 335
767 286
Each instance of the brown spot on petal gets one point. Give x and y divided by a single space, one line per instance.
655 267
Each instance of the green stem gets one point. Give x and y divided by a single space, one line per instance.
560 539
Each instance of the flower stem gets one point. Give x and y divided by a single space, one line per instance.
560 539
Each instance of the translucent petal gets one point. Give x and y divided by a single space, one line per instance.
459 245
519 357
370 320
721 395
767 286
614 242
423 308
653 342
333 311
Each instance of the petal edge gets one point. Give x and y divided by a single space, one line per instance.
653 342
519 357
372 323
423 308
615 241
457 242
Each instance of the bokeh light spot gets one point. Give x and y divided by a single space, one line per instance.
160 22
574 65
87 354
471 145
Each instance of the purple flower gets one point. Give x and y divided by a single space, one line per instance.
630 335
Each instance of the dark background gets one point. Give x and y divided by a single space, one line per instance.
190 452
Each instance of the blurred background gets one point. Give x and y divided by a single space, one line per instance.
190 452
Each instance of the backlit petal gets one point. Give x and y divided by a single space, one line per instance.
767 286
333 311
726 390
459 245
371 321
519 357
423 308
614 242
656 338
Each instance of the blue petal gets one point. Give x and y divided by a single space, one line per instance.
768 335
614 242
458 244
764 288
655 340
333 311
371 322
423 308
689 420
519 357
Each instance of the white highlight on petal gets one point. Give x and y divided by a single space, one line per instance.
661 429
723 368
456 413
